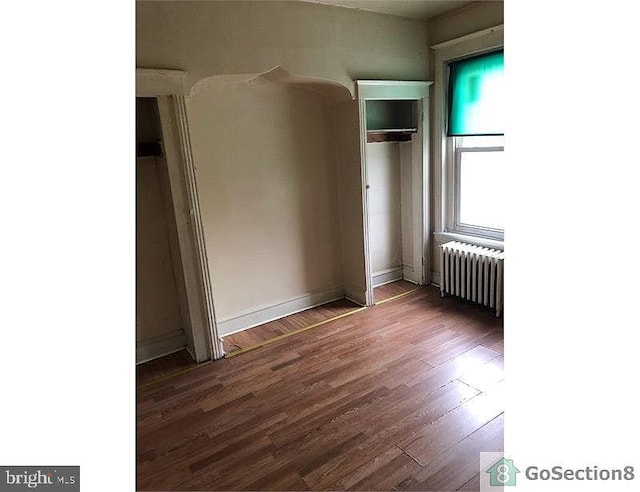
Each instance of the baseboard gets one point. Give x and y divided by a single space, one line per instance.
410 274
271 313
355 294
192 354
386 276
414 282
147 350
435 278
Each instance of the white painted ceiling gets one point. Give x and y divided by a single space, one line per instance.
414 9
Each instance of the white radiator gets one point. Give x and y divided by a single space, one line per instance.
473 273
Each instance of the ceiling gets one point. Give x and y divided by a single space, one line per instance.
414 9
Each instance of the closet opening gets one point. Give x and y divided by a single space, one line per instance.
394 142
391 126
161 317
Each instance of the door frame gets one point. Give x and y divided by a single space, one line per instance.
170 88
395 90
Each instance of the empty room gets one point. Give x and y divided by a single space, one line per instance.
319 244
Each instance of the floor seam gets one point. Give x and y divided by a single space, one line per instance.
407 454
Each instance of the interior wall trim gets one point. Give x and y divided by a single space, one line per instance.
170 88
147 350
270 313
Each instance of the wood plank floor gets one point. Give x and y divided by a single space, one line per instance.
392 289
401 396
163 367
268 331
273 329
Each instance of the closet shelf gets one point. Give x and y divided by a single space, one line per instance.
390 135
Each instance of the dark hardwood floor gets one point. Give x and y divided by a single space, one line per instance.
393 289
289 324
401 396
255 336
163 367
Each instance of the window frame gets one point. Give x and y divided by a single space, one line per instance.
445 174
458 226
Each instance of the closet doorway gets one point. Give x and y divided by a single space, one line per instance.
161 304
168 90
395 172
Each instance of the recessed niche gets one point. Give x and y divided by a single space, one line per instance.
391 114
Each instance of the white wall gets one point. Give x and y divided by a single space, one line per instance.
467 20
406 150
268 194
393 197
385 233
157 307
219 37
346 145
242 162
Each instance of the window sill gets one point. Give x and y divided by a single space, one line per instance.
443 237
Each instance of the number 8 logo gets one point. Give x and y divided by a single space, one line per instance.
502 475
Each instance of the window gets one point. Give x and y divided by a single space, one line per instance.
475 146
479 181
475 95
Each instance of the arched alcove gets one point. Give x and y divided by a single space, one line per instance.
270 183
331 91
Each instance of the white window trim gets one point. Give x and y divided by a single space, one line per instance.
444 237
444 174
453 196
